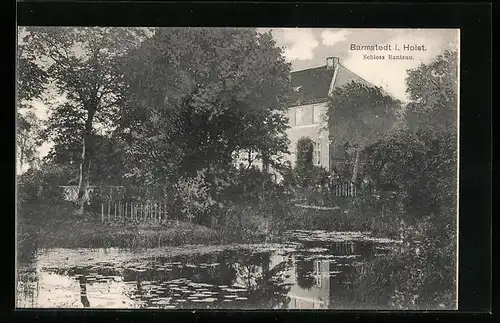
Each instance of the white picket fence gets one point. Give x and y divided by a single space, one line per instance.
149 211
345 189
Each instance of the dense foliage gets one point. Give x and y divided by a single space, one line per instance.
419 162
432 89
359 115
199 95
31 84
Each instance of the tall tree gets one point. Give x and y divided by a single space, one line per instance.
199 95
84 67
31 83
432 89
421 159
31 78
360 115
28 128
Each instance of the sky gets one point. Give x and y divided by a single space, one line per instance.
309 47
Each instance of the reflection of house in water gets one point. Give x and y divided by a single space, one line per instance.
318 295
324 283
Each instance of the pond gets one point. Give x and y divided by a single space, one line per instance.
312 270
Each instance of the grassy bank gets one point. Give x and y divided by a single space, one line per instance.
339 220
50 227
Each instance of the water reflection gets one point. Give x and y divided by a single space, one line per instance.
310 275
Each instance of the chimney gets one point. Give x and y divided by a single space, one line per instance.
331 62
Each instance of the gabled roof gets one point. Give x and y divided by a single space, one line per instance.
345 76
310 86
313 85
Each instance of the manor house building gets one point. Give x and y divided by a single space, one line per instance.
311 89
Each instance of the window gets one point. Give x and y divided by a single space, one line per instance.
317 153
298 116
291 116
317 281
304 116
318 113
317 273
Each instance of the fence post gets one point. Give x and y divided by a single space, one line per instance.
109 211
115 211
102 212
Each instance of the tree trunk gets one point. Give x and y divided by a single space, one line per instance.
249 158
265 162
355 167
85 165
21 155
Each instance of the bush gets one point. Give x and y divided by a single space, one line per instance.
240 223
421 166
304 168
42 185
419 275
201 197
422 274
194 196
250 185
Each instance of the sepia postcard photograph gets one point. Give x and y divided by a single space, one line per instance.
237 168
